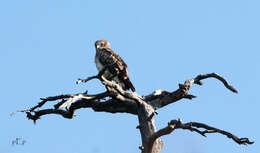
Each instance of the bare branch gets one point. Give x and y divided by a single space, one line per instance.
200 77
129 95
161 98
98 76
119 101
210 129
111 106
194 127
86 80
82 100
115 87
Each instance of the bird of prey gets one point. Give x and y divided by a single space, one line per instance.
116 68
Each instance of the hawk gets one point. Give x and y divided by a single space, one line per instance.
116 68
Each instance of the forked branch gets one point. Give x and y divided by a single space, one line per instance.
200 128
161 98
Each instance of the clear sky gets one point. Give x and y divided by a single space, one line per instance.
46 45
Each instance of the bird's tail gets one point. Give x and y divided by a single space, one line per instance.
128 84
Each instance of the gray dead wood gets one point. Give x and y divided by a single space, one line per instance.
116 100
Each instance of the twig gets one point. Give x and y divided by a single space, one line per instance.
200 77
86 80
98 76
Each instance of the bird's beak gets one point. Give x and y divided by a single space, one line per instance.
98 46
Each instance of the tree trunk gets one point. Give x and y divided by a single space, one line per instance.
147 128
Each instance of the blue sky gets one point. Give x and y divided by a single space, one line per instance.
47 45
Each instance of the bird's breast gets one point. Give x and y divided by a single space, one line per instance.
98 64
100 67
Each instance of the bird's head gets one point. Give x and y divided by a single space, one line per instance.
102 43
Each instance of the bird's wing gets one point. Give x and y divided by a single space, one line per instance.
109 57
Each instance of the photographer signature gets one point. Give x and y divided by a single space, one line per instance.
18 141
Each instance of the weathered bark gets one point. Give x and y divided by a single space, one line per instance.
116 100
147 128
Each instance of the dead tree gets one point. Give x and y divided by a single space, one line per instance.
116 100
